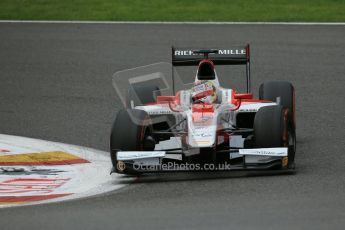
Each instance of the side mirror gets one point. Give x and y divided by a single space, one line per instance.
242 96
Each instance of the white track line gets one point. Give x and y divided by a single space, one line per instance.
173 23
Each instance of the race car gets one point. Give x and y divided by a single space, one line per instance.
205 127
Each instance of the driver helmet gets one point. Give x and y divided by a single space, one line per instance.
204 91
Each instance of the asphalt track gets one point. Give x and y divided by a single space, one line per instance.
56 85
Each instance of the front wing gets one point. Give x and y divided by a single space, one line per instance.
140 162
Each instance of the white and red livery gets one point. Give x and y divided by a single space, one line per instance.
205 124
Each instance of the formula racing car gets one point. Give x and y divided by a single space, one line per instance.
206 126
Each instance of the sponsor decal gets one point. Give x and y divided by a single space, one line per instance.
206 135
121 166
156 110
253 106
233 51
202 118
265 152
202 87
199 129
226 96
44 158
183 52
161 112
185 98
221 52
202 135
132 155
248 110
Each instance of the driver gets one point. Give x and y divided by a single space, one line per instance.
204 91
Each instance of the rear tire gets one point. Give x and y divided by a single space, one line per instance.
128 133
273 128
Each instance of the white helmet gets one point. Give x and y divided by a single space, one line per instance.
204 92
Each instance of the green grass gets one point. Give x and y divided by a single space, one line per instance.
175 10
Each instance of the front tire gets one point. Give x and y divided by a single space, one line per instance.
280 89
128 133
273 128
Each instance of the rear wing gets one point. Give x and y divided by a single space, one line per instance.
236 55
